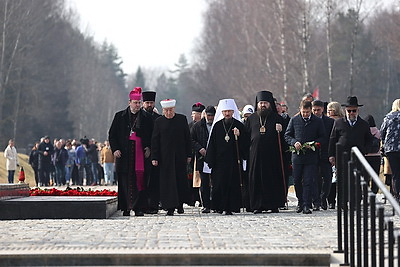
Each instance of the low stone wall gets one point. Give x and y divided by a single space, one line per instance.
10 191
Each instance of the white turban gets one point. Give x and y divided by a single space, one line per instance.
168 103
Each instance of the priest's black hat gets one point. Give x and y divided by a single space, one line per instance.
266 96
210 110
198 107
149 96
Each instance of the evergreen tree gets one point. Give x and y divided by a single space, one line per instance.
140 80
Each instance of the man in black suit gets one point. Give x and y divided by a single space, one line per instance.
322 185
303 128
350 131
199 133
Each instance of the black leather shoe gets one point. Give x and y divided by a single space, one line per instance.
316 208
205 210
228 213
275 211
126 213
299 209
170 212
332 206
257 211
180 210
152 211
324 204
139 213
306 211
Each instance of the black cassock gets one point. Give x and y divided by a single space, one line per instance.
266 184
222 158
171 146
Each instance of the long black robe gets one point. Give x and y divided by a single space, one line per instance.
171 146
129 196
222 158
266 184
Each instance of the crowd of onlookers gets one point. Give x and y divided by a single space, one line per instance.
72 162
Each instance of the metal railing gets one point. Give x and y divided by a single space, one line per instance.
367 235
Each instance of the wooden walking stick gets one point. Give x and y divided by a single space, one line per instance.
283 167
240 169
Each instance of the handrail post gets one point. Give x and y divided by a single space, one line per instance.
352 200
344 202
391 243
381 229
339 187
372 200
365 221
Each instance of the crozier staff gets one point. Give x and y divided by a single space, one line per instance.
222 157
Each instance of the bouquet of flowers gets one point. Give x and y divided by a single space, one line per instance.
304 147
79 191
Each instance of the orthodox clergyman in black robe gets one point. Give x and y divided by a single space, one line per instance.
152 177
266 181
222 158
129 137
171 151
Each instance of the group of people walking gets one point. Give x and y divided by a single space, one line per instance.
71 162
241 163
224 161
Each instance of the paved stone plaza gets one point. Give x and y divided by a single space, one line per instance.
285 232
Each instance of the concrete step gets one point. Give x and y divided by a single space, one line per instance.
167 258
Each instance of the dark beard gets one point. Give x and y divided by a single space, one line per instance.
149 109
264 113
228 121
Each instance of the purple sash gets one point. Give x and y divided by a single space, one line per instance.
139 161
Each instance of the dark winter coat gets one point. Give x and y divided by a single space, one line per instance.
45 161
328 124
300 131
34 159
199 134
60 157
119 133
348 136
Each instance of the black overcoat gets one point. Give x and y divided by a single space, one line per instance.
119 133
348 136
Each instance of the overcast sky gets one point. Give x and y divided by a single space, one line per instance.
147 33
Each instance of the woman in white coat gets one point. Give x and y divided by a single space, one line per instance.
10 153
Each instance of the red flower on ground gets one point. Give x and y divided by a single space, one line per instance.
79 191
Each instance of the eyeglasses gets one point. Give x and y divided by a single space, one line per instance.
351 110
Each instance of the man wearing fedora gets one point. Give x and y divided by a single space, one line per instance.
350 131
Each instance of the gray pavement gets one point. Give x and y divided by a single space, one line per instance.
192 232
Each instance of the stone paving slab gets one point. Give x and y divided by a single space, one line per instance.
191 233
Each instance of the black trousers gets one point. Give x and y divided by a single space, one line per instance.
322 185
205 190
394 161
304 177
375 162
